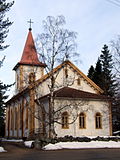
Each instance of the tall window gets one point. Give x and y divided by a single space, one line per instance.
26 116
82 120
31 78
16 118
66 73
8 118
78 82
11 119
21 116
18 81
98 121
65 121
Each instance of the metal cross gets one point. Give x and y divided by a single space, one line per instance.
30 22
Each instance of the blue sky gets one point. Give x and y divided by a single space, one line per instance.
97 22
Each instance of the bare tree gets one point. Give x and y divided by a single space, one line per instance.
116 54
55 46
115 44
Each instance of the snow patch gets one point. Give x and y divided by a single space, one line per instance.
12 140
28 144
116 132
2 149
53 146
82 145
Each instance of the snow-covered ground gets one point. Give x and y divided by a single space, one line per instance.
82 145
12 140
2 149
71 145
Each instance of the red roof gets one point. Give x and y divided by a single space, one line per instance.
29 56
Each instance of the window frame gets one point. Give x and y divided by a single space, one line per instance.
16 118
78 81
65 120
98 120
66 72
82 119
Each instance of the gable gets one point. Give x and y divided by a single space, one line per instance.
74 73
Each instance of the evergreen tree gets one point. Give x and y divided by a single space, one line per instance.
98 73
95 73
3 97
4 22
91 72
4 25
102 74
108 79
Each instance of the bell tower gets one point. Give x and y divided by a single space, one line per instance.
29 68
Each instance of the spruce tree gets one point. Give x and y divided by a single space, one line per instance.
102 74
95 73
107 78
3 97
91 72
4 22
4 25
98 73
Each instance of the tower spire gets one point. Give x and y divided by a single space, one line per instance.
29 55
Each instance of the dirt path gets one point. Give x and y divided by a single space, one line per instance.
16 151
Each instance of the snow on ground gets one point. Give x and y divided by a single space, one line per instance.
12 140
28 143
82 145
116 132
2 149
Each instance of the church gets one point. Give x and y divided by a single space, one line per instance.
79 109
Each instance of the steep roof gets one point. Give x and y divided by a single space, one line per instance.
29 55
67 92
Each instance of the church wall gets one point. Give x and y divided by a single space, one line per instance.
90 108
13 121
38 122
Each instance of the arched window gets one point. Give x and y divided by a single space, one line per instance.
31 78
98 121
82 120
65 121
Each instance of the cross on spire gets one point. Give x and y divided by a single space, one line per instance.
30 22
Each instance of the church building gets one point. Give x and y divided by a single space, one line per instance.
80 109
